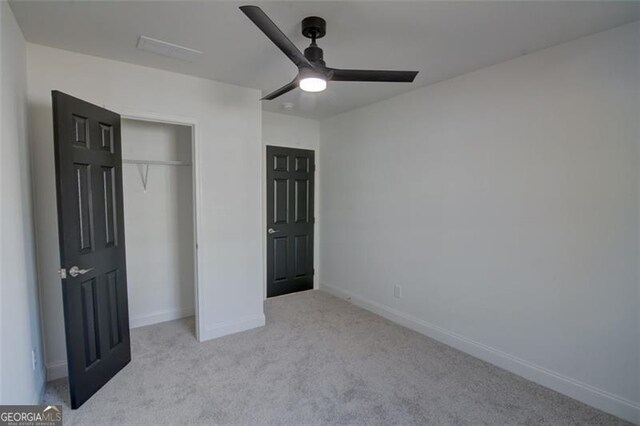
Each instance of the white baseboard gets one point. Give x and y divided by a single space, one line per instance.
159 316
56 370
230 327
598 398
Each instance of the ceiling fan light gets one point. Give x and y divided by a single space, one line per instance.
313 84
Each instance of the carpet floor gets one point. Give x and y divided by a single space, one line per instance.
319 360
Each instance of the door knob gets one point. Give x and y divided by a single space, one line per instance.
74 271
272 231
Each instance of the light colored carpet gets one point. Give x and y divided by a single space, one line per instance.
319 360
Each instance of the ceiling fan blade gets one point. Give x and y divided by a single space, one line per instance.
274 33
372 75
281 91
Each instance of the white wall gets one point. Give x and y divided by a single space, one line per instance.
158 222
293 132
505 203
290 131
228 166
21 383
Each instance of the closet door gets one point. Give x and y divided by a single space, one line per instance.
91 233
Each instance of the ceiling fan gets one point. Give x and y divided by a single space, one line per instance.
313 74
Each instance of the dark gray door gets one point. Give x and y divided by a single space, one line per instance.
290 220
91 232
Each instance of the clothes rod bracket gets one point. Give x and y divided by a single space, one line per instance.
144 172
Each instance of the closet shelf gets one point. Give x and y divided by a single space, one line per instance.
156 162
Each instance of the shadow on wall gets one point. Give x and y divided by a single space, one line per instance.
46 229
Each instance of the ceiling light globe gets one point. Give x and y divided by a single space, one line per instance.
313 84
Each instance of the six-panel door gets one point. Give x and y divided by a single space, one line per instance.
290 220
91 229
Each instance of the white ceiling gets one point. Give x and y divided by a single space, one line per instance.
440 39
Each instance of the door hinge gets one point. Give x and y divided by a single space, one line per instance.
62 272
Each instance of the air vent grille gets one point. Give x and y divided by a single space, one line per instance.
170 50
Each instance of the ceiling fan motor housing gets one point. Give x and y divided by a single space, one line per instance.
314 27
314 54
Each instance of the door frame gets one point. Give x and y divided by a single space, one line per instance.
316 211
128 113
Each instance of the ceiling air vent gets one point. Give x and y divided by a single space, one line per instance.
171 50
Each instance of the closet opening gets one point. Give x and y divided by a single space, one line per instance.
158 176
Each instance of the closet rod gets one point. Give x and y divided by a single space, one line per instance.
157 162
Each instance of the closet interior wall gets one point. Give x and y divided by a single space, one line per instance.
159 226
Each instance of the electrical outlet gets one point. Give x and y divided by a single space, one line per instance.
397 291
33 359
